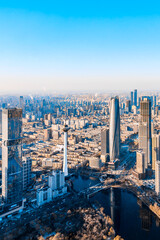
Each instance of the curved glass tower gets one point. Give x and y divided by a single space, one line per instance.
114 129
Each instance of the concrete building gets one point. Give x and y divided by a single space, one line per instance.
12 182
47 134
140 171
140 164
95 162
105 145
44 195
157 177
155 149
114 130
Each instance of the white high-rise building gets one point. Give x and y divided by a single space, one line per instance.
65 167
56 187
140 162
56 180
114 130
157 177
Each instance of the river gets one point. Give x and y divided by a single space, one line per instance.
131 221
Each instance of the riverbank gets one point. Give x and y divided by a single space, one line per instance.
132 219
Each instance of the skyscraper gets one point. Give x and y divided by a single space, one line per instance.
155 149
155 101
21 102
128 106
157 177
12 155
104 144
114 129
143 141
0 121
140 164
131 99
65 167
145 117
135 97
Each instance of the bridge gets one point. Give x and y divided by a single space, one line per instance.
121 183
88 192
111 183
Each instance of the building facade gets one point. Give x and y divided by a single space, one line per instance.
56 187
27 166
155 149
104 144
12 183
114 130
145 118
157 177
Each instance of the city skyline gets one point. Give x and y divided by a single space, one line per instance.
54 46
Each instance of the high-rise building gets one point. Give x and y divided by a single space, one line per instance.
155 149
27 165
143 140
140 164
12 184
157 177
135 97
114 130
0 121
56 180
21 102
145 117
65 167
128 106
104 144
155 101
131 99
56 187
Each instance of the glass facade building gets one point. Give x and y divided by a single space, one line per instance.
114 129
12 181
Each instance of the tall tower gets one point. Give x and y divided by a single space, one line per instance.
155 149
128 106
104 144
12 184
145 117
114 129
143 141
131 99
21 102
65 168
135 97
157 177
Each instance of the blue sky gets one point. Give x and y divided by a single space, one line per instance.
48 46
